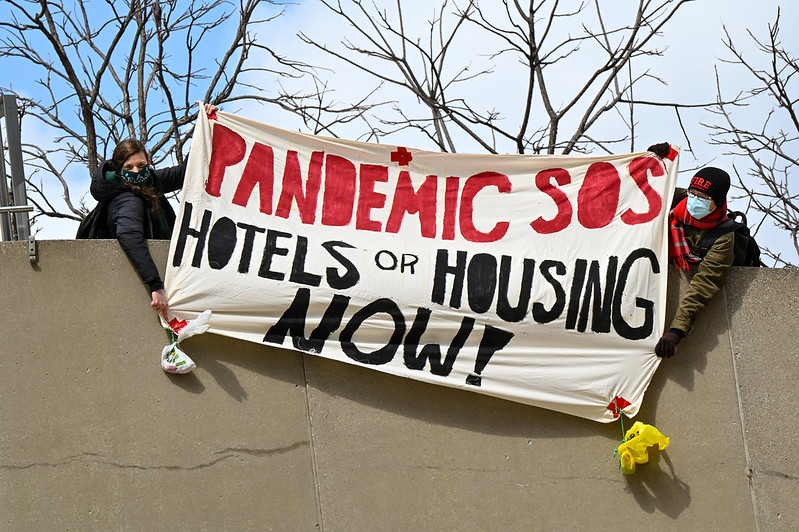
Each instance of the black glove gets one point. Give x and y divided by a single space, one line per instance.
661 150
668 344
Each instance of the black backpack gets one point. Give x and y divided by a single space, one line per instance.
94 224
747 252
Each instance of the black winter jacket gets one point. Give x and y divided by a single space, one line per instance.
128 216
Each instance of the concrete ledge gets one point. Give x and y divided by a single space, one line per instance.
94 436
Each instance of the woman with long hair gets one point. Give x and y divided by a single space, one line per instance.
132 193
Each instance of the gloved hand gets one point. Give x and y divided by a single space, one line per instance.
667 344
661 150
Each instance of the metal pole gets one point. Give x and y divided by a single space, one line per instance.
17 169
5 217
24 208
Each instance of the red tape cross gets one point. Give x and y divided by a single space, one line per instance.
402 156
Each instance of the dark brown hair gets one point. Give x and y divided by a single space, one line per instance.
124 151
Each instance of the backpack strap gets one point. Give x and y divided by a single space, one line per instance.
737 216
727 226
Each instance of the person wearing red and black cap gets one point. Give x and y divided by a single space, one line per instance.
702 207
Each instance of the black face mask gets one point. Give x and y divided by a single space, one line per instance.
135 178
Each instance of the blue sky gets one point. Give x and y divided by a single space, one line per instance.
693 43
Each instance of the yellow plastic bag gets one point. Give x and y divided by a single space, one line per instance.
635 447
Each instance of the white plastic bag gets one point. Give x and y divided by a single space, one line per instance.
196 326
173 359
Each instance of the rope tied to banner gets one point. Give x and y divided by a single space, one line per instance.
618 413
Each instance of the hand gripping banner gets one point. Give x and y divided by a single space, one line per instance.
539 279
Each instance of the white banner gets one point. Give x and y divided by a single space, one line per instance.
539 279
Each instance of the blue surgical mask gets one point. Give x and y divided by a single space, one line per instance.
135 178
698 207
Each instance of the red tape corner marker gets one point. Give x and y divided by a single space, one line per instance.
618 404
176 325
672 153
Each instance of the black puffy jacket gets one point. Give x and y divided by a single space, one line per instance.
129 220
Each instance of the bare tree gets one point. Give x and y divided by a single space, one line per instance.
113 70
572 68
768 146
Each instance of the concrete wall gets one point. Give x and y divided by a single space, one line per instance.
94 436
